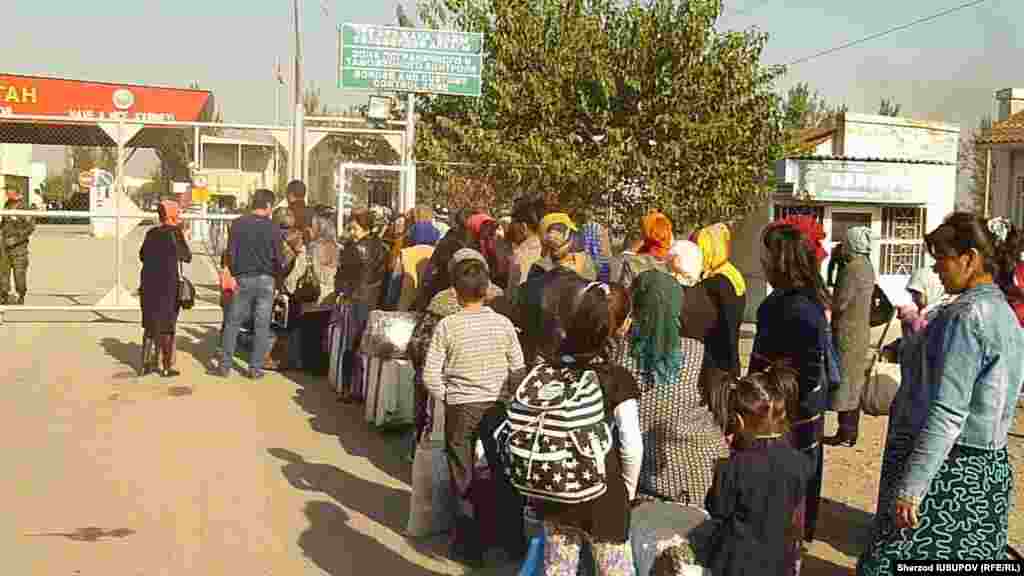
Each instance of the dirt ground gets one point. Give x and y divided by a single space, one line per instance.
850 492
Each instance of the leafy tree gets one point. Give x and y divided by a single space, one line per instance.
598 103
973 160
175 147
888 107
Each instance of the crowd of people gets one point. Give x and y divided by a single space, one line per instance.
596 381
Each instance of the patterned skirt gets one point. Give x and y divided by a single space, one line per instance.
964 515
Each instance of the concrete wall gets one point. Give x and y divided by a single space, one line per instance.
1001 198
16 159
871 136
746 255
935 184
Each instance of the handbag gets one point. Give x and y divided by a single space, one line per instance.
833 364
881 384
308 288
227 281
186 291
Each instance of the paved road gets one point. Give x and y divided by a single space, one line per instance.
108 474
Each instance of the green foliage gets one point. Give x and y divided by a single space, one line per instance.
176 146
597 103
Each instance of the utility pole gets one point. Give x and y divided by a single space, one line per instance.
298 151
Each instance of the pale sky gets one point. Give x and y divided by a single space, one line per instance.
947 69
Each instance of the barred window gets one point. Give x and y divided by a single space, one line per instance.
1019 202
902 247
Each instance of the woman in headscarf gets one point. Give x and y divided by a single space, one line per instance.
851 326
727 289
163 248
665 355
657 236
576 258
414 257
436 277
527 214
534 300
323 254
699 314
791 328
926 292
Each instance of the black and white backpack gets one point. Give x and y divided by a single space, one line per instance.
556 436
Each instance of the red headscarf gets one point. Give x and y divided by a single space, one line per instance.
811 230
475 222
657 230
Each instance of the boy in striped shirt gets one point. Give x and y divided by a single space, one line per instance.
473 354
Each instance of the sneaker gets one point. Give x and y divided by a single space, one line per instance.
220 371
256 374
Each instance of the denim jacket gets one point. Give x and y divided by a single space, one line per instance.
964 390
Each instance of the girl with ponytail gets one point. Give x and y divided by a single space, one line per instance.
757 498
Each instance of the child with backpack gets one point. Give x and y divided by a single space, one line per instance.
572 440
473 355
756 499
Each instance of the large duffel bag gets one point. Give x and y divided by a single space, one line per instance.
387 333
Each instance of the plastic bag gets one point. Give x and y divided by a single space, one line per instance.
430 506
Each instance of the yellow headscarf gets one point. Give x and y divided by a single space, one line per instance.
714 243
556 218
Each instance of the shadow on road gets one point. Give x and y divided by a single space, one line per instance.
346 421
845 528
90 534
382 504
339 549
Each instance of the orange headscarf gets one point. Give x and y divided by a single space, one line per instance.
657 230
170 216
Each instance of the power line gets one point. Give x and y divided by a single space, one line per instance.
887 32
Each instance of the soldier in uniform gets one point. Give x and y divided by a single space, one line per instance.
15 232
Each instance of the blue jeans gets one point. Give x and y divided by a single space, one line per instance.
254 299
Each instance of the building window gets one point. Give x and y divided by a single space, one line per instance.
902 247
787 210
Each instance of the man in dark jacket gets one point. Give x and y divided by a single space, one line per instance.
254 257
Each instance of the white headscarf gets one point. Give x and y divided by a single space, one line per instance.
928 283
687 260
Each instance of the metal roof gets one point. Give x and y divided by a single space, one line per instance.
880 160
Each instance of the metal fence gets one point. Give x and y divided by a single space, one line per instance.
91 188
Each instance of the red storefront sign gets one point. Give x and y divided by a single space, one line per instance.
33 95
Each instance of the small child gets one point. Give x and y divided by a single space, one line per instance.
472 356
756 500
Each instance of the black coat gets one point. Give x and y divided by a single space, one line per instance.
161 251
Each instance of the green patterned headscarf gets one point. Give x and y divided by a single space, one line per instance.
657 304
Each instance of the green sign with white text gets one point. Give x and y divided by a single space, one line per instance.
396 59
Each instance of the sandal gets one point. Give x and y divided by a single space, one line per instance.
170 373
